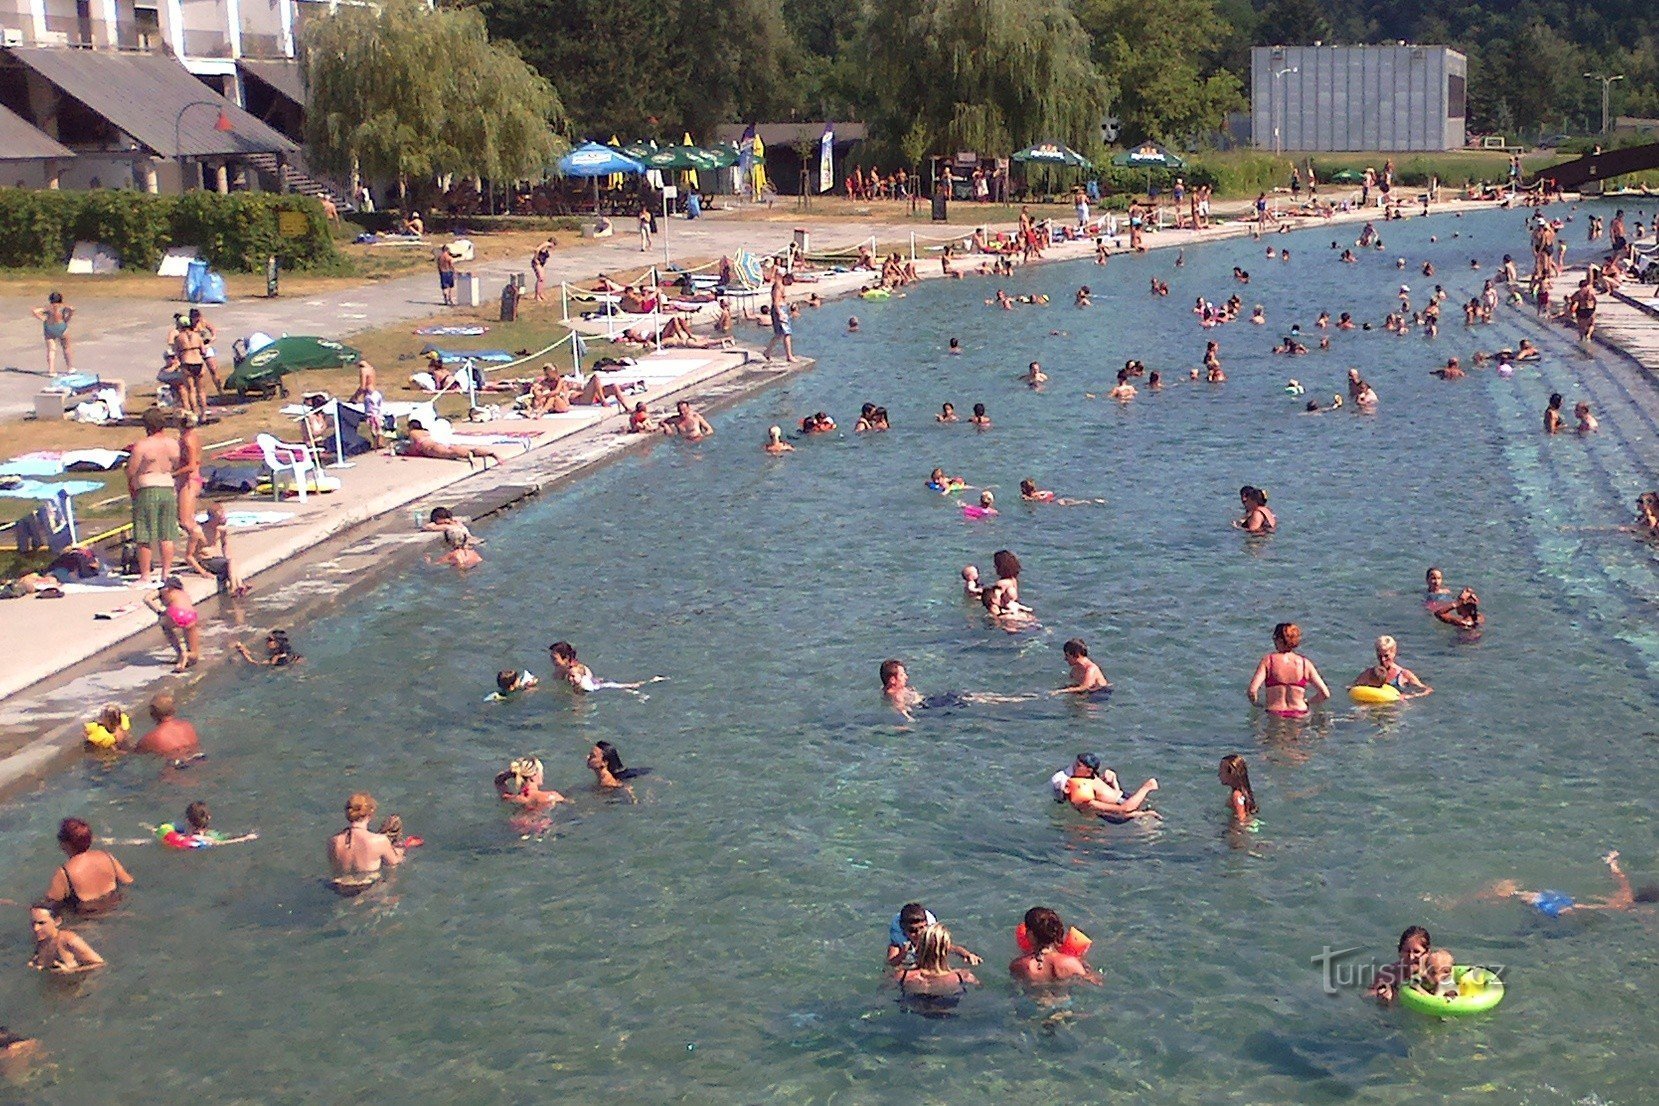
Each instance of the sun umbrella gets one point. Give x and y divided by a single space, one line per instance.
1149 156
591 159
1051 153
640 150
683 158
1347 176
262 368
725 155
757 173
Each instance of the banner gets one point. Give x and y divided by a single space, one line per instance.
826 159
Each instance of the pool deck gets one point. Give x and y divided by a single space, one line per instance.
102 645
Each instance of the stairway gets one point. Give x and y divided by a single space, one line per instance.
297 178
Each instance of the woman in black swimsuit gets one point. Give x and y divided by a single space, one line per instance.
90 881
933 988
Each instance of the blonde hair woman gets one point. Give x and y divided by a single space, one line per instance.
357 853
1388 673
933 988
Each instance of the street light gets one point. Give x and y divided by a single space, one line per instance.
1606 83
1273 104
222 124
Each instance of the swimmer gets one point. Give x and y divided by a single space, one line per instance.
1553 422
1086 676
1008 577
1553 904
581 678
1258 518
1008 615
947 413
1587 423
279 652
955 347
970 582
460 545
1293 387
1258 315
1154 382
980 419
111 730
1434 582
775 443
1093 790
357 854
1413 950
1235 774
1463 612
1035 377
1124 390
895 687
931 987
58 950
1282 677
852 325
1084 297
1367 397
902 931
1324 320
198 834
987 503
1436 977
509 682
937 481
1345 321
608 773
1388 673
817 423
1452 371
521 785
1528 351
1045 965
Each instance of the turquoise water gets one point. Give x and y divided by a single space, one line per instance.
721 940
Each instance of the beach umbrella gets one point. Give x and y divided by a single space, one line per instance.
725 155
640 150
1149 156
1347 176
1052 153
592 159
682 158
264 366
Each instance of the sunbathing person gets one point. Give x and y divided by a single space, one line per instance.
423 444
550 393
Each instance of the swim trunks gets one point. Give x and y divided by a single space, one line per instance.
1552 904
446 280
780 324
155 515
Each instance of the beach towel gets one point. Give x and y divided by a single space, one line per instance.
484 356
253 520
35 489
34 464
93 460
451 331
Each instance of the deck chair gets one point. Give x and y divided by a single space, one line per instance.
292 458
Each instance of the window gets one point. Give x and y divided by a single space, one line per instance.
1456 92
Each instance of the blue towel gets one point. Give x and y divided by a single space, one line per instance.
34 489
483 356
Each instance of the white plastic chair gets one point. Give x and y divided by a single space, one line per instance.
280 457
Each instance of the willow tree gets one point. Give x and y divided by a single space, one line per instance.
405 91
985 75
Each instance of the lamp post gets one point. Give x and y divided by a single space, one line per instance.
1606 84
1273 102
222 125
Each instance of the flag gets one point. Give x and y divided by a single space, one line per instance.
826 159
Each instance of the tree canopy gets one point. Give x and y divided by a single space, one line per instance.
404 91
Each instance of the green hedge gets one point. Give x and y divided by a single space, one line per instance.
39 228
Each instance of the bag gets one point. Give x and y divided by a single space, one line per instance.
129 558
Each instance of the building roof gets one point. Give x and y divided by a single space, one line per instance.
21 142
281 74
787 134
146 96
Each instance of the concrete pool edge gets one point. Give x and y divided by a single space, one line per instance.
313 580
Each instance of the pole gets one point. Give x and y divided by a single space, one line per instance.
1273 104
665 260
564 301
1606 80
912 248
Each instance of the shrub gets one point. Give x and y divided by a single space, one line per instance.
39 229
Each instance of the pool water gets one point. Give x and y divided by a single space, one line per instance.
721 940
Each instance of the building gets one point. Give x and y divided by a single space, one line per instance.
110 85
1329 98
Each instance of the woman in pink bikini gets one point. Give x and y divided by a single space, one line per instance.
1286 674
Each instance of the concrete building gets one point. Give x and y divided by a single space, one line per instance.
1330 98
113 81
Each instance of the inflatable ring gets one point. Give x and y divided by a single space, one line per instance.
1478 990
1374 696
875 294
1076 943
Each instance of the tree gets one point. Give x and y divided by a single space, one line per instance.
988 75
1158 55
406 91
1293 23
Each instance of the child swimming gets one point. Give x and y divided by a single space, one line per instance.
1086 676
1235 774
509 682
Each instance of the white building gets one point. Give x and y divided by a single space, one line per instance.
1331 98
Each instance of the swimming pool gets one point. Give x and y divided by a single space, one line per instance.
721 940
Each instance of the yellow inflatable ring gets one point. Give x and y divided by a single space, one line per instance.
1374 696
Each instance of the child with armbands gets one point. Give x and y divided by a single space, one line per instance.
911 919
109 730
198 835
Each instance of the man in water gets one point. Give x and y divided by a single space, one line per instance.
688 424
895 685
1086 676
1094 790
172 736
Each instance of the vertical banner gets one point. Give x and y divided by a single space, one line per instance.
826 159
745 161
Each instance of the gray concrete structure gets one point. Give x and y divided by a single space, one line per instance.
1327 98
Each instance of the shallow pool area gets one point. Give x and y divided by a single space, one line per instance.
721 939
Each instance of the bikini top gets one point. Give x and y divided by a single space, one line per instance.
1274 682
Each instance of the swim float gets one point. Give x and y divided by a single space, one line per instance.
1076 943
1374 696
100 738
875 294
169 835
1478 990
970 511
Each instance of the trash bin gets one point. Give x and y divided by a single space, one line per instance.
941 200
466 289
802 240
509 302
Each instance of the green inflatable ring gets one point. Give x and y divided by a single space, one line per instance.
1478 990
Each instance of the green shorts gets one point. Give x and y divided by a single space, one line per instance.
155 515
